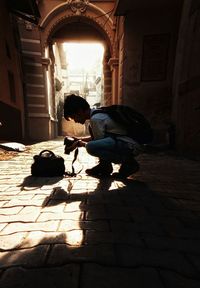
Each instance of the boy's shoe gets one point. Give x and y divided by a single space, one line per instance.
102 169
127 168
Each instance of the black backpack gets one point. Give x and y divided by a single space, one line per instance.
47 164
136 125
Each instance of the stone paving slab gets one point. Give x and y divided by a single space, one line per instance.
98 276
51 277
86 232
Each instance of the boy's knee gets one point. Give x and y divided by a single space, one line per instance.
90 148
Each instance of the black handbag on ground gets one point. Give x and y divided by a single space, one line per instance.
47 164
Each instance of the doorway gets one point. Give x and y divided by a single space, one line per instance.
78 69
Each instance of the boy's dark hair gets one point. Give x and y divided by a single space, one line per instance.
73 104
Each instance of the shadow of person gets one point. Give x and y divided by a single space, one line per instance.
60 195
122 224
104 186
32 264
56 197
110 191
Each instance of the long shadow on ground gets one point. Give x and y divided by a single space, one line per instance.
130 234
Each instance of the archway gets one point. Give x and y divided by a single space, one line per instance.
60 27
78 70
73 19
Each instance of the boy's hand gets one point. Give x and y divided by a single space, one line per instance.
81 143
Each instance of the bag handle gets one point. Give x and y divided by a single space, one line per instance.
49 151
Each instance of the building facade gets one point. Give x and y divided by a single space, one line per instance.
159 69
11 83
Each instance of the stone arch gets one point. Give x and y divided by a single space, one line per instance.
51 22
59 8
62 15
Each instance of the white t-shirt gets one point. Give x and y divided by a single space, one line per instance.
101 123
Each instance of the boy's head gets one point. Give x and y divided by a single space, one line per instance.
76 108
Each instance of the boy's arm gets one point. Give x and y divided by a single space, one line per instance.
80 141
83 141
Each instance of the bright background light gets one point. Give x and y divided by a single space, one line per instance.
83 55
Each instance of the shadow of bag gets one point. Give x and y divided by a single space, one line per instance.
47 164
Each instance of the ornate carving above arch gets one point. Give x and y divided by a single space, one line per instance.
74 11
78 6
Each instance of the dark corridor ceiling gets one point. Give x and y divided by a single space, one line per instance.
77 31
26 9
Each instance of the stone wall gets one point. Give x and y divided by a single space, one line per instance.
11 96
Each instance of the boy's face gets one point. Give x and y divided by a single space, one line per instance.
80 116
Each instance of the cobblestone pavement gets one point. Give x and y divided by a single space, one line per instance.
84 232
